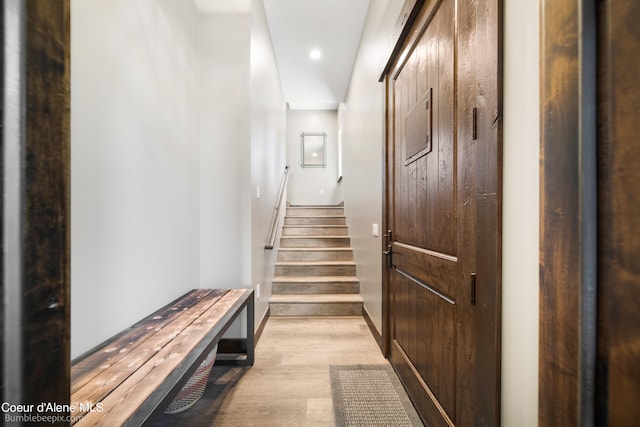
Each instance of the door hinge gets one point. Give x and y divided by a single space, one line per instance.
473 288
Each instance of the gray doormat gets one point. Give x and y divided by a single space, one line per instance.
370 395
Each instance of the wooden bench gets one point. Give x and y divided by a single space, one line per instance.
131 378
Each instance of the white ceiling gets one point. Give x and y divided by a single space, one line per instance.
223 6
298 26
332 26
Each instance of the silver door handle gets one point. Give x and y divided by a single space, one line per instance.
389 253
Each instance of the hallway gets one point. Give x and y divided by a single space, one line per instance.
289 384
180 130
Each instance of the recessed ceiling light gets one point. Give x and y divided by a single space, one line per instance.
315 54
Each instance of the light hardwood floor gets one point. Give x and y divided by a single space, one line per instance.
289 384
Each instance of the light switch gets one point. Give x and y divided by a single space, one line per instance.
258 192
375 230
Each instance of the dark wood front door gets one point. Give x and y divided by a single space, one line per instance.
442 208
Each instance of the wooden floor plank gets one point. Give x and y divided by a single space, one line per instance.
290 383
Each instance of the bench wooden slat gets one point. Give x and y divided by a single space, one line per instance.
109 377
109 354
138 396
86 368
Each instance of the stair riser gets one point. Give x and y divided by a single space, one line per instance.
315 256
303 220
315 270
315 309
314 211
314 231
314 242
316 288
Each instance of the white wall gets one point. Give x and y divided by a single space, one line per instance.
224 107
134 162
309 186
177 117
520 214
268 153
362 119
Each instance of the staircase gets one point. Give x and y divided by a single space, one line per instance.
315 274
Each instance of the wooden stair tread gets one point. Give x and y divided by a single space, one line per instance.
314 237
314 226
315 279
316 216
318 248
314 263
315 206
315 212
315 298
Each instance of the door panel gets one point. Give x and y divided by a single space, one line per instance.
433 205
425 185
433 318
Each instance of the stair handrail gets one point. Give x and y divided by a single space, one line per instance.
276 211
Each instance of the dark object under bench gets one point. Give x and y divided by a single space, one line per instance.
131 378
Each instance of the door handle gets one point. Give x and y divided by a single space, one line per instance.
389 254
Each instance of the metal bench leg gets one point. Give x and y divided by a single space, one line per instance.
250 330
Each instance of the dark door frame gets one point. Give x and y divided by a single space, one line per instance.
35 202
568 212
